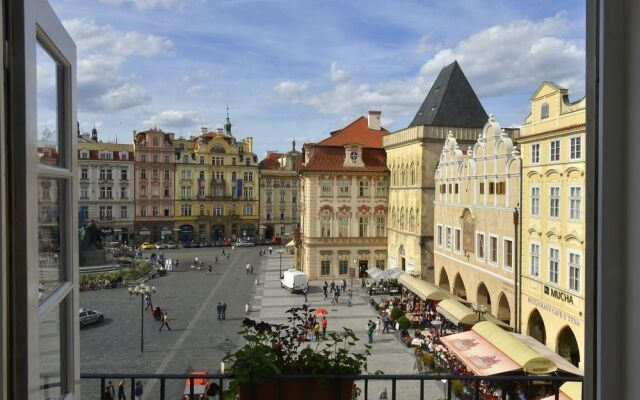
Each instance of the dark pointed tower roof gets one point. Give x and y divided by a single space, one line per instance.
451 101
227 125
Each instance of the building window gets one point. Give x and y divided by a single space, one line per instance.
105 212
500 188
456 241
166 212
282 197
143 211
554 265
248 193
268 197
105 192
84 212
325 226
380 226
123 211
185 210
325 267
448 237
343 188
106 174
154 174
84 173
574 271
343 267
218 210
544 110
363 189
84 193
143 158
248 209
439 235
555 151
575 201
186 174
554 202
535 260
380 264
166 193
283 230
166 174
535 153
185 159
167 159
124 174
154 211
84 155
481 188
492 187
493 249
143 191
343 226
154 158
201 160
294 197
143 174
325 188
576 148
123 192
507 261
233 161
455 188
381 188
480 245
294 213
535 201
363 230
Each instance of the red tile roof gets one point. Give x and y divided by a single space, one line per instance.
331 158
271 161
356 132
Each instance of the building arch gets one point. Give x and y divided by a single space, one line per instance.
536 328
186 234
504 310
483 296
458 287
443 282
567 346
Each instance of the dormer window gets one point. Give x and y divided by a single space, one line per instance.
84 154
544 110
124 155
354 155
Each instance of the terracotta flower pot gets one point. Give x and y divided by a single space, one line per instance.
299 389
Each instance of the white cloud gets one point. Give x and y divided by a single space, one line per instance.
142 5
103 54
498 61
291 89
193 90
174 119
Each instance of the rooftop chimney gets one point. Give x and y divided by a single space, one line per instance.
374 120
204 131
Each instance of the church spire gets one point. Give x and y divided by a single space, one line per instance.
227 125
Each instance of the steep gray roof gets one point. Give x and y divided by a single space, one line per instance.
451 102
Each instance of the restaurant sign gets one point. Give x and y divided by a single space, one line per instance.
558 294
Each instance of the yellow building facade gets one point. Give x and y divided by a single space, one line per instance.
216 187
475 221
553 143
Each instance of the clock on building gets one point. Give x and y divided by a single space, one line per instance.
354 155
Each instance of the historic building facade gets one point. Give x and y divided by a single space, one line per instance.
476 221
216 187
344 190
280 194
451 106
154 185
553 225
107 189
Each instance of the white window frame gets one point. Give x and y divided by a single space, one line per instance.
580 149
497 261
439 235
558 272
551 153
531 213
506 239
537 244
484 246
551 187
535 146
571 252
571 199
457 240
448 238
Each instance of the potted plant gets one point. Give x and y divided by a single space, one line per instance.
270 350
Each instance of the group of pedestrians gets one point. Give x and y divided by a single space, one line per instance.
249 269
110 391
335 290
222 310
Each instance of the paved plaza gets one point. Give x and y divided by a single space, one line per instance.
198 341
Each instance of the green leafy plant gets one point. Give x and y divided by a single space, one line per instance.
396 313
404 323
457 388
272 349
428 361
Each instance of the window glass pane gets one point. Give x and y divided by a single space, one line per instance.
47 108
50 206
49 350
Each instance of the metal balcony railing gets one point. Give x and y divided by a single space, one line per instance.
221 380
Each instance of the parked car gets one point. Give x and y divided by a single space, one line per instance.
147 246
276 240
171 245
88 317
245 243
226 242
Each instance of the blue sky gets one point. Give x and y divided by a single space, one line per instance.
299 69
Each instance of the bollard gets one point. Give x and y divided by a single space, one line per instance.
256 282
246 308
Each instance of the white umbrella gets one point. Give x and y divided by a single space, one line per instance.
375 273
393 273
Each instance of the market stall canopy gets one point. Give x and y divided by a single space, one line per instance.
423 289
569 391
479 355
393 273
529 360
562 363
291 243
457 313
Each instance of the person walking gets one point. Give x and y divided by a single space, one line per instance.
222 251
110 391
324 291
379 326
248 268
177 263
147 302
251 269
333 286
385 323
219 308
209 268
349 298
165 321
270 250
383 395
337 295
138 391
224 310
304 291
344 285
370 328
324 327
121 392
217 260
316 331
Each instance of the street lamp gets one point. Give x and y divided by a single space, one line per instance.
142 290
280 252
479 309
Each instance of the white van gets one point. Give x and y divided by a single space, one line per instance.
294 280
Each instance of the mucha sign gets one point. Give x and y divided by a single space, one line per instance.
558 294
